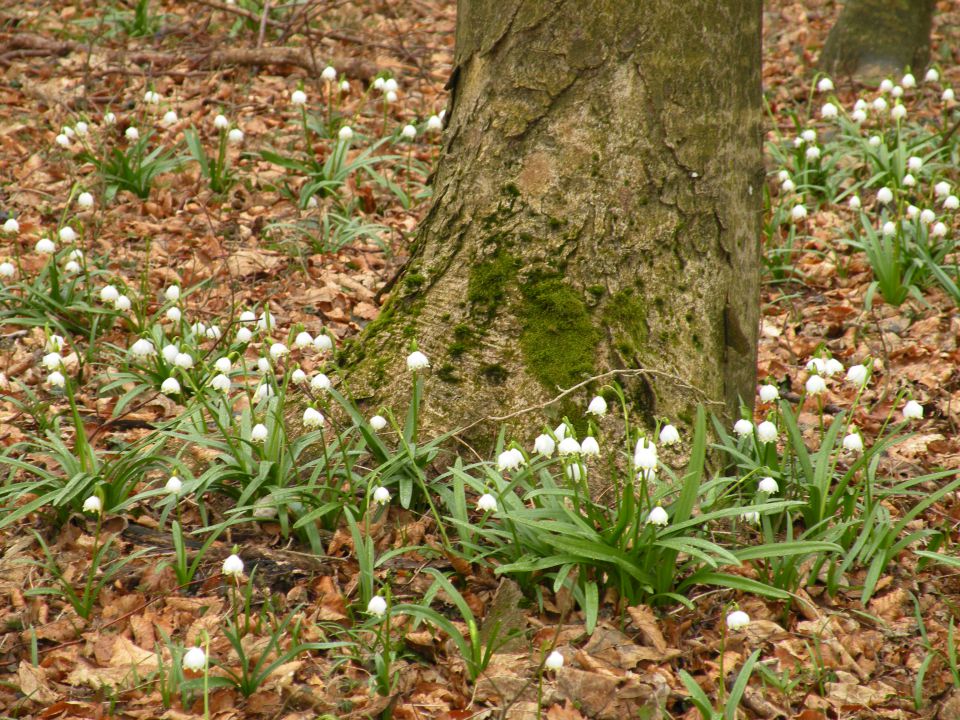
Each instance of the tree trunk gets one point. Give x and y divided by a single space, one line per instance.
596 207
875 39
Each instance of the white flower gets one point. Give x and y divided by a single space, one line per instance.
344 86
590 446
884 195
896 92
235 136
378 422
345 133
11 226
233 566
302 340
769 393
68 235
799 212
7 269
914 163
132 133
932 75
908 81
545 445
320 382
109 118
390 85
183 360
143 348
409 132
743 427
52 361
554 661
298 376
927 216
788 185
322 343
258 433
859 116
951 202
174 485
45 246
220 122
817 365
108 293
853 442
569 446
278 350
573 471
857 375
220 383
85 200
244 335
909 180
378 84
812 153
298 97
434 123
377 606
889 229
658 516
170 386
645 455
899 112
828 111
880 104
809 135
874 141
248 316
169 118
751 517
948 95
487 503
939 230
669 435
75 254
825 85
170 352
56 379
912 410
737 620
597 406
151 97
122 303
194 659
329 73
767 432
816 385
832 367
768 485
381 495
560 432
510 460
92 505
417 361
223 364
54 343
783 175
312 418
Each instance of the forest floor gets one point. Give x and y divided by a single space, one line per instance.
327 267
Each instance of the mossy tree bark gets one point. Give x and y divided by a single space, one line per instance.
597 206
874 39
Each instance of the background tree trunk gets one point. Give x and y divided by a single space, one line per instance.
875 39
597 206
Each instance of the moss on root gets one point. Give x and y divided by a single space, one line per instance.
558 339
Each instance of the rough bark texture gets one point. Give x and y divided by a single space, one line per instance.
597 206
874 39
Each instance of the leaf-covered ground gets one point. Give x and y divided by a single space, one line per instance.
827 655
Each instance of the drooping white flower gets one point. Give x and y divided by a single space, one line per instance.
434 123
244 335
816 385
857 375
898 112
109 118
169 118
320 382
597 406
799 212
322 343
235 136
62 140
220 383
554 661
788 185
769 393
874 141
52 361
233 566
220 122
737 620
573 472
912 410
85 200
825 84
344 86
183 360
7 269
884 195
298 376
809 135
751 517
92 505
927 216
302 340
377 606
828 111
108 293
54 343
914 163
173 485
248 316
11 225
151 97
329 73
194 659
381 496
948 95
768 485
932 75
658 516
258 433
345 133
743 427
859 116
812 153
487 503
278 350
908 81
68 235
510 459
409 132
909 180
896 92
312 418
880 104
951 202
832 367
669 435
544 445
853 441
132 133
568 446
298 97
390 85
170 352
72 267
767 432
645 455
590 446
378 422
56 379
939 230
417 361
560 431
45 246
143 348
170 386
122 303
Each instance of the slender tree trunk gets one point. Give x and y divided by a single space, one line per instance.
597 206
874 39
